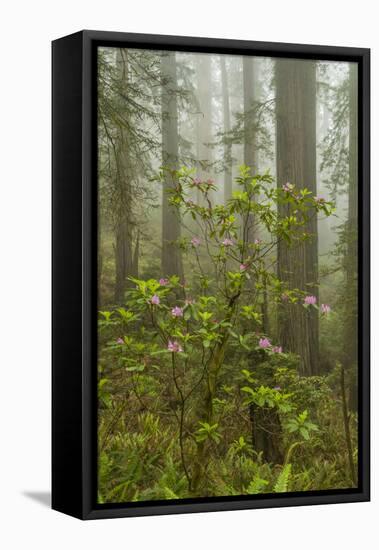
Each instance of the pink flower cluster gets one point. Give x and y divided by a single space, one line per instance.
199 181
195 241
287 187
310 300
265 343
228 242
155 300
325 308
290 189
163 282
177 311
174 347
243 267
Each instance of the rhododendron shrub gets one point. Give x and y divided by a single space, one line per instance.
198 354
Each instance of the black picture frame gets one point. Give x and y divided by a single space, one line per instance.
74 204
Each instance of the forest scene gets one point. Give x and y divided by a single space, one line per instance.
227 275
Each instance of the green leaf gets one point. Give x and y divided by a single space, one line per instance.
102 382
248 390
257 485
281 485
292 427
137 368
187 314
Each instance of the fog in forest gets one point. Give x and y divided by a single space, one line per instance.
227 274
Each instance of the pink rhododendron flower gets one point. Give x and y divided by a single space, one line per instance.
120 341
264 343
155 300
177 311
325 308
319 199
310 300
243 267
197 181
257 241
174 347
195 241
228 242
288 187
210 181
163 282
277 349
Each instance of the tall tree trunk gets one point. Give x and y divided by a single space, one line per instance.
298 328
267 433
123 228
326 225
99 262
351 260
171 255
228 182
250 151
136 256
249 100
204 118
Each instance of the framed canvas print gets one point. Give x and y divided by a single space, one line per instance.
210 274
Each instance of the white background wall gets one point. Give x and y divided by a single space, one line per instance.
26 31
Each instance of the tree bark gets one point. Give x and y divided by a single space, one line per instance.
228 182
204 84
171 255
249 101
136 256
351 260
267 433
298 328
123 227
250 151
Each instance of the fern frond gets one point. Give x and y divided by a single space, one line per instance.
281 485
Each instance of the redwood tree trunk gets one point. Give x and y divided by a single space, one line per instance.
204 119
250 152
123 226
228 183
298 328
249 101
267 433
351 260
171 256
